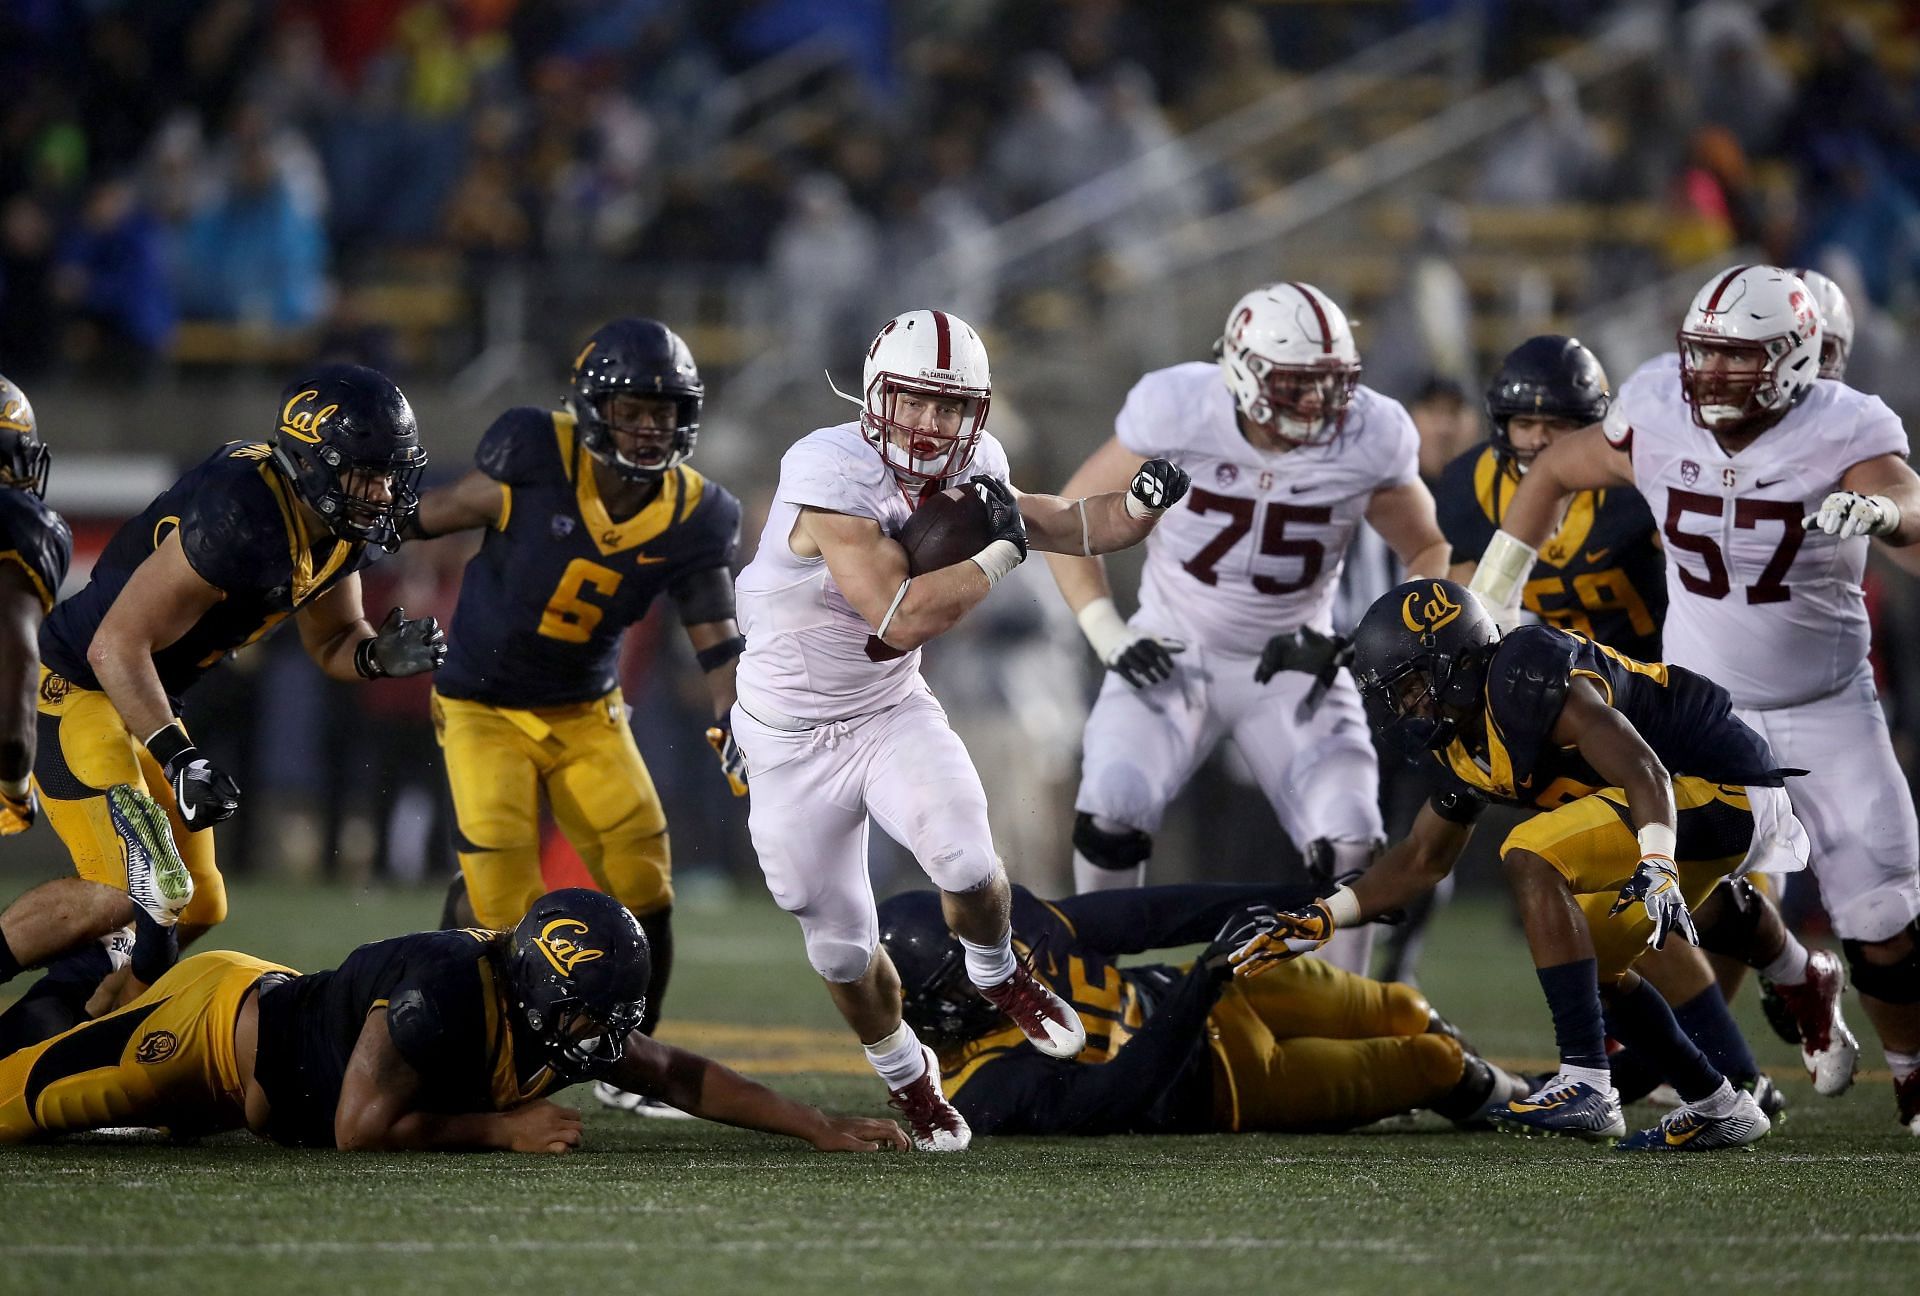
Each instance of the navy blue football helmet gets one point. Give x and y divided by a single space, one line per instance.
636 357
341 421
578 969
1437 631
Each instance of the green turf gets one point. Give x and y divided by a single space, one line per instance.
1828 1204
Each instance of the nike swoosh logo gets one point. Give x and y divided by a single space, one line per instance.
1760 485
1678 1140
642 560
1595 555
1532 1107
1295 490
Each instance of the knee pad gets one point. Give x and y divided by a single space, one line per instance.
1897 982
1330 860
1729 922
838 959
1117 849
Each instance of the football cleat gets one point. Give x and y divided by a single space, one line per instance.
1767 1095
1685 1129
1564 1107
1907 1094
1048 1022
638 1104
932 1122
157 878
1778 1015
1827 1048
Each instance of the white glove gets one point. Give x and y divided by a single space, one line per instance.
1848 514
1655 885
1141 660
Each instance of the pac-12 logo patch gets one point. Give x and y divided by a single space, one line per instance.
1225 474
1689 471
156 1047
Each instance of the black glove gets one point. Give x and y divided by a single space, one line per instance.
1156 487
204 794
1305 650
1145 661
1241 926
1003 512
402 647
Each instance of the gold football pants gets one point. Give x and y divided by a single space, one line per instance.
84 749
499 760
1591 843
165 1059
1310 1047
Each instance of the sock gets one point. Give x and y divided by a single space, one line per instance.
1707 1023
9 965
989 965
1088 876
1597 1077
1573 993
1903 1064
1633 1076
155 948
1789 967
1718 1103
1641 1019
899 1058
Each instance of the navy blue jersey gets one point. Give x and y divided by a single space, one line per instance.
1600 574
447 1012
35 538
1147 1066
543 604
1686 718
241 531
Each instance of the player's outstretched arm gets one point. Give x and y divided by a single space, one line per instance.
1406 519
337 636
476 500
378 1110
705 1088
20 614
1583 460
871 571
1118 518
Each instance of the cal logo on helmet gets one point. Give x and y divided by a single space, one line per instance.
1428 615
305 424
562 950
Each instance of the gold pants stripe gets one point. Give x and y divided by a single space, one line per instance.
499 762
85 747
165 1059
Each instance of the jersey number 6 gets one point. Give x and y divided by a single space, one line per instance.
1273 539
568 616
1771 587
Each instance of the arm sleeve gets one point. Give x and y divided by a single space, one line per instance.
518 447
1133 919
1140 425
1462 520
1026 1093
226 534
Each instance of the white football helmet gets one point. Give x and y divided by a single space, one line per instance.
1289 360
1836 323
924 353
1749 347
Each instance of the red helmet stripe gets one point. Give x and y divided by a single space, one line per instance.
943 337
1713 302
1326 328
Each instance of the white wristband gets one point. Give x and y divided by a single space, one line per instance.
1656 839
1503 571
1343 907
1889 519
997 559
1100 622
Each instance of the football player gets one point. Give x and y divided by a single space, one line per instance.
1769 480
1650 791
1181 1049
591 512
256 533
444 1041
835 719
1233 635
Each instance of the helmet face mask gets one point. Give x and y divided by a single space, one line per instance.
1288 357
1729 382
1749 349
25 459
644 359
925 392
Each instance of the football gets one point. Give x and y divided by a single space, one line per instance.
949 528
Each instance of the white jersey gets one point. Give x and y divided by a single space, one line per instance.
1758 603
1256 548
806 655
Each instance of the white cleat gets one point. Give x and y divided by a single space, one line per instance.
1048 1021
637 1104
932 1122
157 878
1827 1047
1684 1129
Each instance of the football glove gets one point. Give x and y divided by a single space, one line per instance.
1243 925
1142 660
401 648
1656 885
1156 487
1847 514
733 761
1003 512
203 793
1282 937
1308 651
17 813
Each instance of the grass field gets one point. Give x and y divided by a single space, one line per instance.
1827 1204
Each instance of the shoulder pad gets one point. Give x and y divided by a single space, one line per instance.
1527 688
835 469
519 447
38 539
233 532
434 1013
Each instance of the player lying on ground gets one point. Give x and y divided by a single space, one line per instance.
447 1041
1770 478
833 715
1179 1049
1652 792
